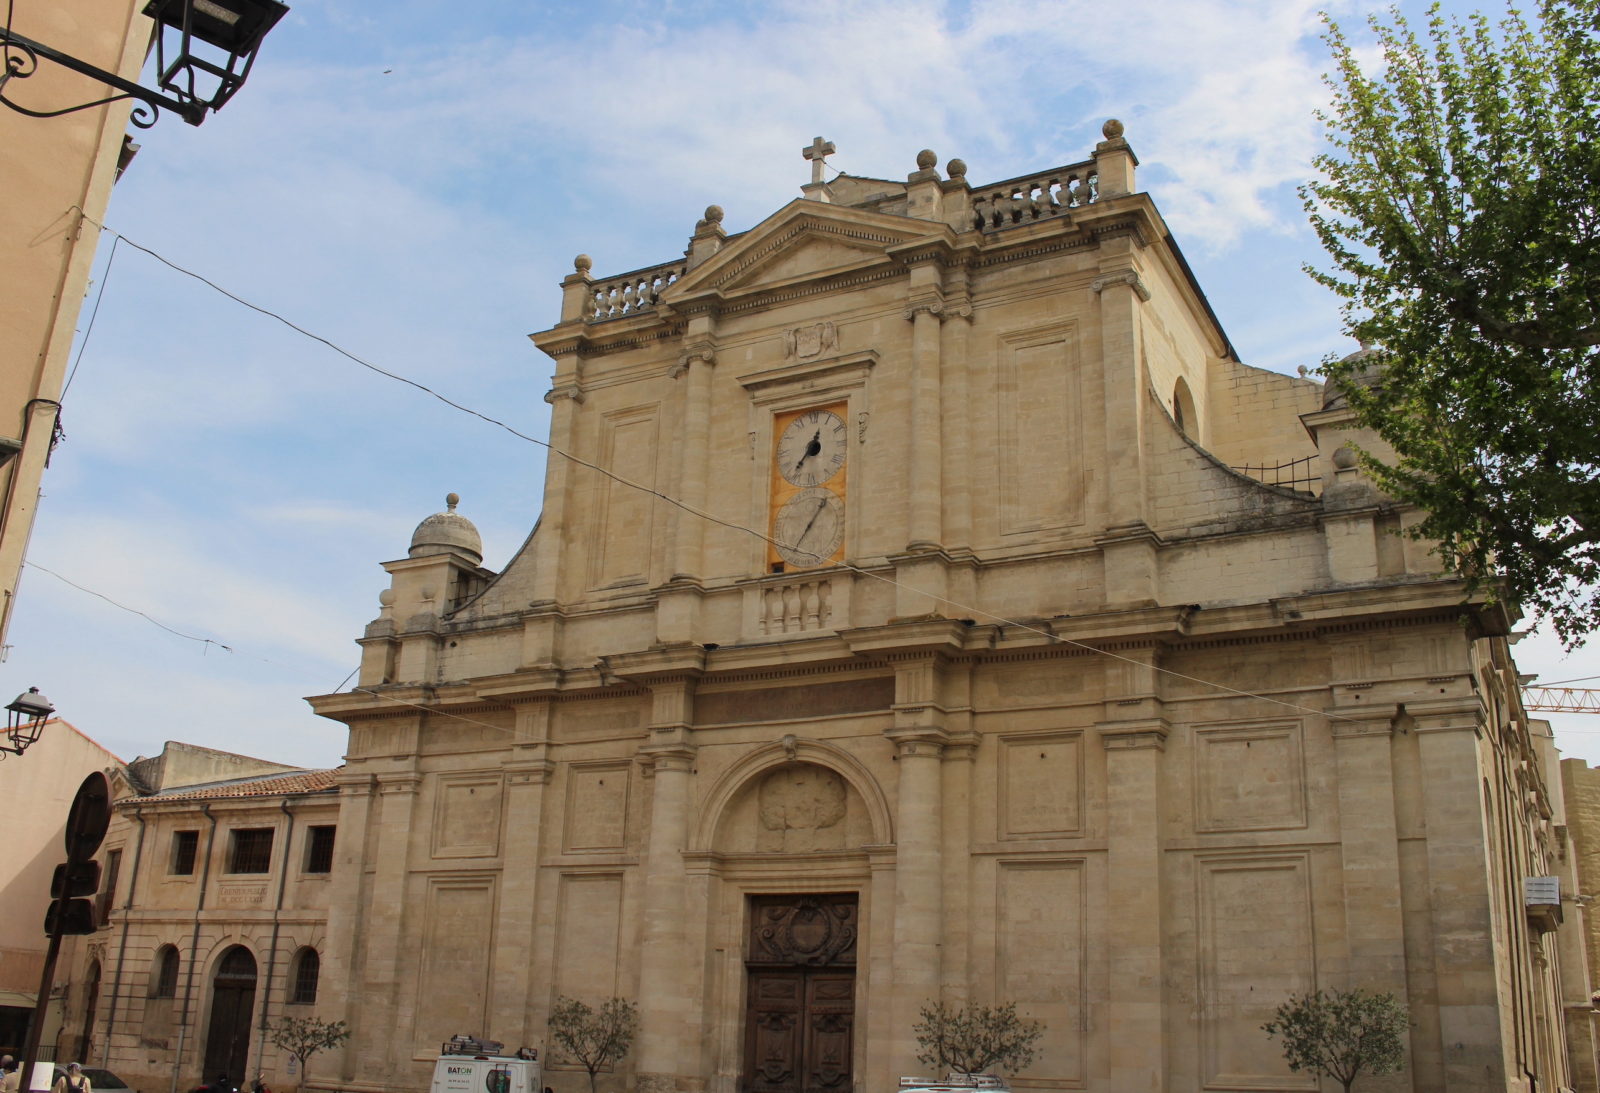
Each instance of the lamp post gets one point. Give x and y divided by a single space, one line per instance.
189 81
25 718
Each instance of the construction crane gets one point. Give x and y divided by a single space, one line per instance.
1561 699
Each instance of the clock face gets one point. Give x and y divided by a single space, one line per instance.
809 527
812 448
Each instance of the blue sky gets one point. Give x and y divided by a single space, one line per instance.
412 183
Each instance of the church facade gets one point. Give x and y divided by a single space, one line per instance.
927 604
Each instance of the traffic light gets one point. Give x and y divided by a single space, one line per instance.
70 916
75 878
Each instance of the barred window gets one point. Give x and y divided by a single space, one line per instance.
319 849
164 984
307 969
184 845
251 850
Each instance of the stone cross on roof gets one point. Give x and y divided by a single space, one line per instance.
817 151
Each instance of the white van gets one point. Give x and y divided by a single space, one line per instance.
469 1065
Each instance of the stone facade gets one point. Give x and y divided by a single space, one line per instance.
215 923
898 626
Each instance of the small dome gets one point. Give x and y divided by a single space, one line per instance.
1368 372
444 532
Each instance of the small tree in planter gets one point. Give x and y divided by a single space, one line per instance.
303 1037
594 1037
1341 1033
972 1038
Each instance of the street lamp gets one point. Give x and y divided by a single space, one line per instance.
25 718
193 82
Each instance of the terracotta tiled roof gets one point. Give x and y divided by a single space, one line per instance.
262 785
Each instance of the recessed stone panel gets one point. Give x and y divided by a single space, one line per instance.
1040 936
629 448
1040 787
1037 383
589 926
1256 949
466 817
458 938
597 806
1249 776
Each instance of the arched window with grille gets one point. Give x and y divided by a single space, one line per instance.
307 969
164 973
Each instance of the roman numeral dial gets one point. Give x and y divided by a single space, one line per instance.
812 448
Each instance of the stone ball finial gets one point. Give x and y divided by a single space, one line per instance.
447 532
1344 458
714 214
956 168
1112 129
583 263
926 159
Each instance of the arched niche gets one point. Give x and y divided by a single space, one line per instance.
791 797
1183 411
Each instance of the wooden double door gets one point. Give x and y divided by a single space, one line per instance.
800 994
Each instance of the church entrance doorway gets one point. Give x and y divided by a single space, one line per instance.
233 1000
801 993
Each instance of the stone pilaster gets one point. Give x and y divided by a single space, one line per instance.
956 428
1134 737
341 983
1369 844
667 1027
919 738
1448 739
527 774
540 630
695 363
1122 293
924 309
382 1008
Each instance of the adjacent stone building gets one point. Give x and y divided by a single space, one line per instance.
213 919
927 604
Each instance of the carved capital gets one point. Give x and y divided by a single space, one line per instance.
565 390
923 741
1122 277
404 783
931 306
662 758
1145 733
530 772
691 354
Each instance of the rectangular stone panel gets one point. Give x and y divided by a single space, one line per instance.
1249 776
629 448
597 806
807 700
1040 788
1256 948
466 816
1037 383
589 926
1040 924
457 938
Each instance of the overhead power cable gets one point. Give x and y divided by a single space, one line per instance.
966 609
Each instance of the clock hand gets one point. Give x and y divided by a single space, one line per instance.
811 523
811 449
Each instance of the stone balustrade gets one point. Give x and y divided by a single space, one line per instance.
795 608
1034 197
630 293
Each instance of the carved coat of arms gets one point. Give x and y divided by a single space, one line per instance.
804 342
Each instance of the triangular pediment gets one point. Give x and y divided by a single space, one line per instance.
803 241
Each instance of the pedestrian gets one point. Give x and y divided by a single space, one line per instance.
8 1075
72 1081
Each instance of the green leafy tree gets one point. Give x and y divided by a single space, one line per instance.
304 1037
594 1037
970 1039
1341 1034
1457 201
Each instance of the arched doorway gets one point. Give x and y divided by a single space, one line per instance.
233 1001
